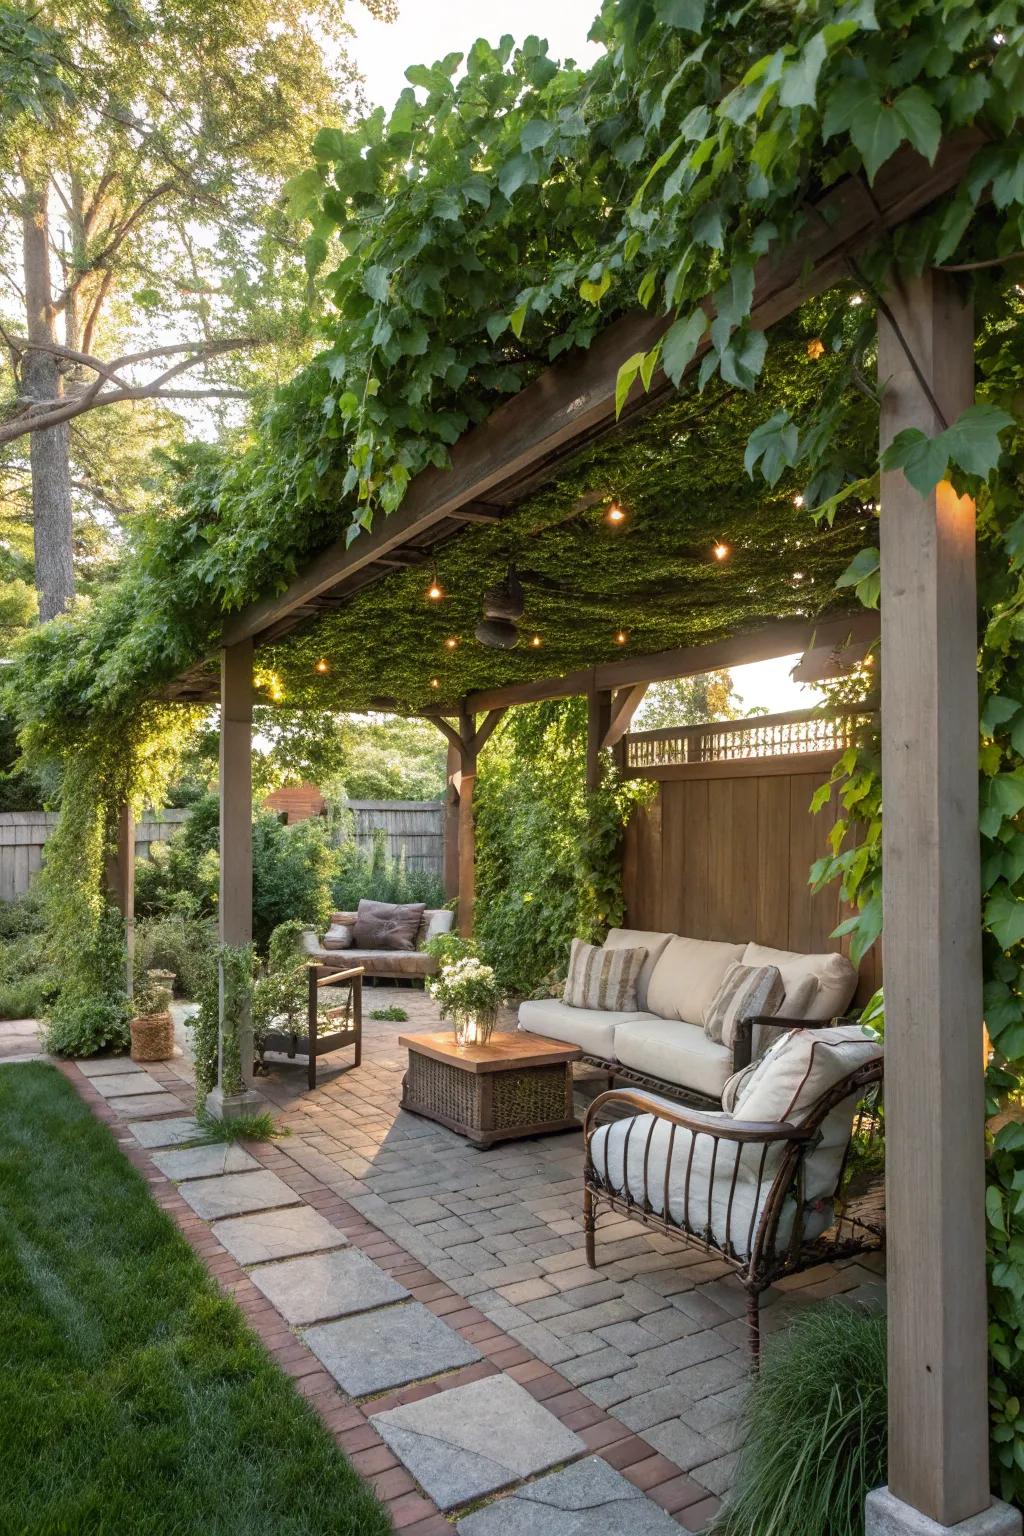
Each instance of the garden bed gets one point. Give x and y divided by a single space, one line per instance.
132 1395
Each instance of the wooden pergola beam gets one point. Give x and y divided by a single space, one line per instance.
625 704
575 397
786 637
465 743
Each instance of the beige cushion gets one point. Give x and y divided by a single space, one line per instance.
799 1070
679 1053
834 976
592 1029
347 919
435 921
687 976
338 936
603 978
638 938
388 925
747 991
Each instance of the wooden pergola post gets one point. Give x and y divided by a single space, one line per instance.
119 880
464 746
235 852
938 1360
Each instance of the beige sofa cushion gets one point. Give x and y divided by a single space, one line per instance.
680 1053
688 975
638 938
748 991
835 978
338 936
592 1029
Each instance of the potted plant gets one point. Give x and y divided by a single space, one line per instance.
468 995
152 1027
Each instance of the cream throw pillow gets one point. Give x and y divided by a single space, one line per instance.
797 1072
603 978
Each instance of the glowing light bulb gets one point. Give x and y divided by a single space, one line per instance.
323 665
536 641
615 514
798 501
451 642
621 637
721 551
435 682
435 591
815 349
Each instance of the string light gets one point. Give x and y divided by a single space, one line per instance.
451 642
322 665
721 551
536 641
435 591
798 501
615 515
815 349
435 682
621 637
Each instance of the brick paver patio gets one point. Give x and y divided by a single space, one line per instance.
642 1361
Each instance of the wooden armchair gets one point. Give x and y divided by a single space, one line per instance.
345 1022
768 1199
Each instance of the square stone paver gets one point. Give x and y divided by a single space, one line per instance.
203 1162
324 1285
166 1133
108 1066
278 1234
388 1348
112 1085
235 1193
473 1440
587 1499
145 1103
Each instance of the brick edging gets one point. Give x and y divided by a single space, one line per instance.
409 1508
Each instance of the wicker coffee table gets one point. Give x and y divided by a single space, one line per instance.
517 1085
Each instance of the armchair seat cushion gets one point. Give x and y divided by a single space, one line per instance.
592 1029
679 1053
644 1157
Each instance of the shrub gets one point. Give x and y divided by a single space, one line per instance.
375 876
92 1009
28 980
292 868
26 998
175 942
87 1026
813 1430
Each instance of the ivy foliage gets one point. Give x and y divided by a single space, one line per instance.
548 852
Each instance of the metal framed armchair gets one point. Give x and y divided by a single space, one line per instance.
344 1023
769 1198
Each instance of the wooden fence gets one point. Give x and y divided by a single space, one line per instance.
415 826
725 848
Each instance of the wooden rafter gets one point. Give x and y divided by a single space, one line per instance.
525 438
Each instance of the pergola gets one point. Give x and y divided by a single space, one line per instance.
938 1450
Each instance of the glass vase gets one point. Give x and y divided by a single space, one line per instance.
473 1028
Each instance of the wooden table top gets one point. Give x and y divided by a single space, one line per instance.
505 1052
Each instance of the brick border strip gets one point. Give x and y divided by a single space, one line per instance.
411 1512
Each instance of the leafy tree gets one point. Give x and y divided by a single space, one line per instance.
689 701
143 235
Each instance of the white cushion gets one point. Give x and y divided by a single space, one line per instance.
680 1053
635 938
835 977
621 1151
338 936
592 1029
800 1069
687 976
435 921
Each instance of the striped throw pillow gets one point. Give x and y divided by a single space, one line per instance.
746 990
603 978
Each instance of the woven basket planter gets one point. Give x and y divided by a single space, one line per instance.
153 1038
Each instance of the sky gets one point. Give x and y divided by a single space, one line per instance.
425 31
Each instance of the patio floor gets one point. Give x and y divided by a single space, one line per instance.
402 1254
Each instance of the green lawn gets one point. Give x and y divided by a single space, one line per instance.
133 1397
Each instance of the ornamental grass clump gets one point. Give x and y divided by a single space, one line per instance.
813 1432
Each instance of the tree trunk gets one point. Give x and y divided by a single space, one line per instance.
50 450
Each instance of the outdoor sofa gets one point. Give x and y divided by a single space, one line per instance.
662 1044
338 946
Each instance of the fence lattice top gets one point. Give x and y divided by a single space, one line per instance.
791 735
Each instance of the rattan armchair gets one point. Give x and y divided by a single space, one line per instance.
734 1188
